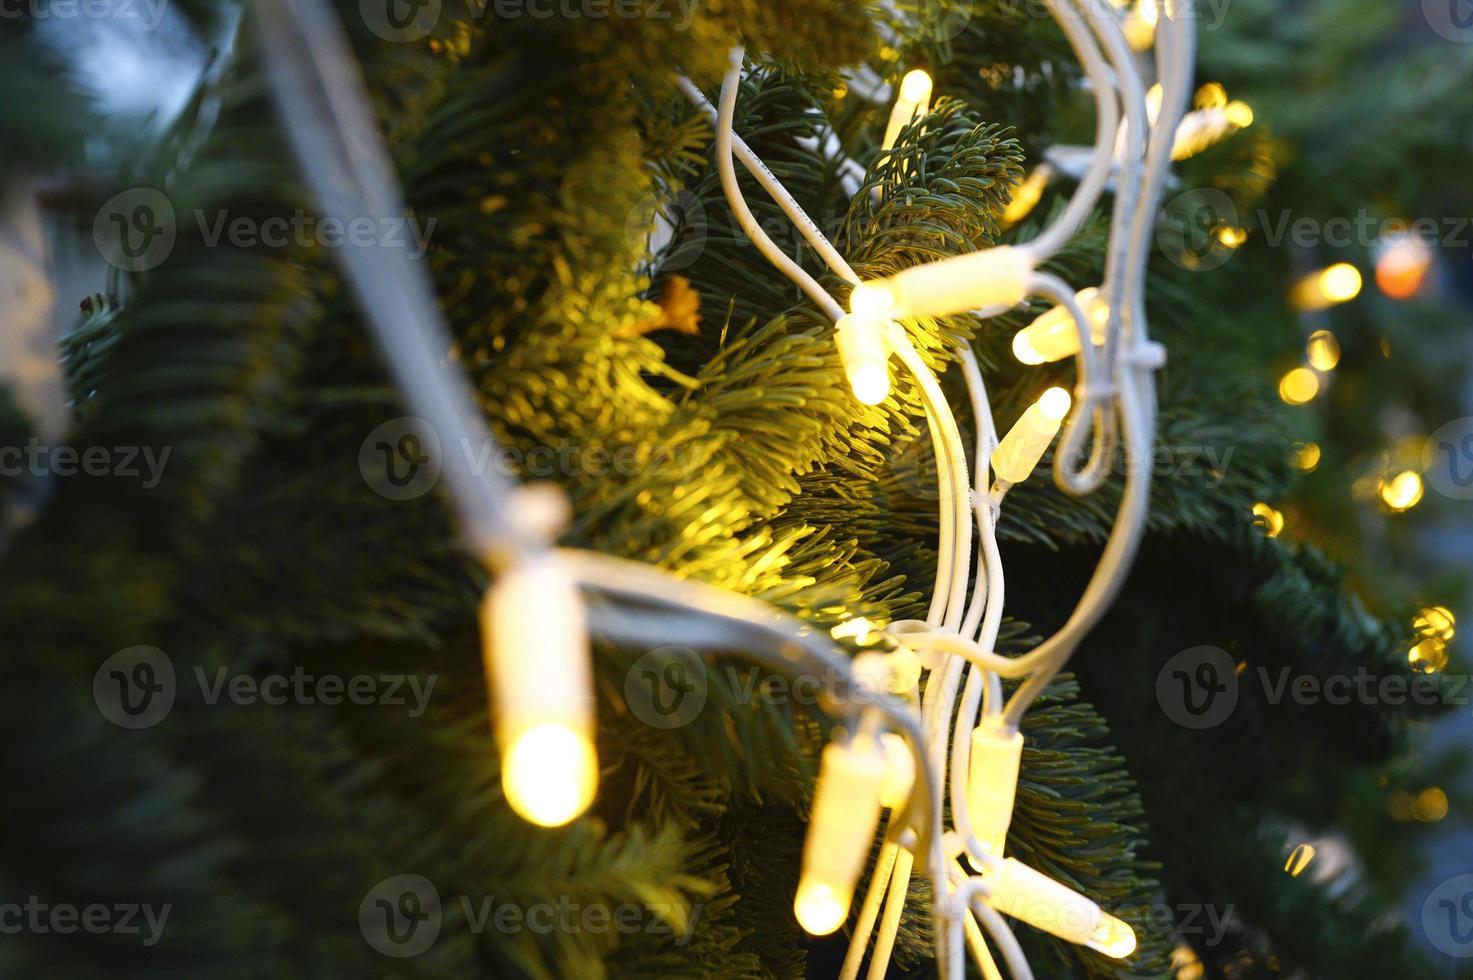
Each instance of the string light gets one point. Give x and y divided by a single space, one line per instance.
992 278
1340 283
1020 450
865 356
1402 265
1027 195
911 103
1307 456
1436 621
537 663
1323 350
1023 893
1299 386
992 781
1428 656
1053 335
1403 491
1269 519
1140 25
841 827
1299 859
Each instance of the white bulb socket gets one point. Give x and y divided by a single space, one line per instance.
992 278
992 782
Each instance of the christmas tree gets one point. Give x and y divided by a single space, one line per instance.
272 543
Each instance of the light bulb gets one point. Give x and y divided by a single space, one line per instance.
865 356
912 101
1403 491
538 667
1112 937
993 277
1299 386
992 781
550 774
1053 336
1027 895
841 828
1436 621
1021 449
1028 194
1323 350
1339 283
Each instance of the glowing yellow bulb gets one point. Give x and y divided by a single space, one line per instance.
1028 194
1112 937
1240 114
1231 236
1323 350
1435 621
871 299
1299 859
1428 656
819 909
1430 805
1307 456
1403 491
1341 282
915 86
1054 404
1053 335
1211 96
1269 519
865 356
550 774
1299 386
1154 95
